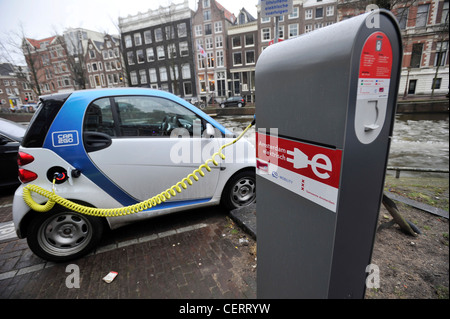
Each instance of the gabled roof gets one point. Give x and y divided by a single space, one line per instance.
228 15
249 17
37 43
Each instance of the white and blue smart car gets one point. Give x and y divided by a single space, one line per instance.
117 147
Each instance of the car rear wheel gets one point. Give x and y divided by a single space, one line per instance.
240 190
63 235
239 104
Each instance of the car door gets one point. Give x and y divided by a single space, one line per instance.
146 144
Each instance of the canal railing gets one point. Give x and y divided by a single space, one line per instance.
398 169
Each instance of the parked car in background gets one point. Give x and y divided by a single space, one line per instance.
233 101
11 135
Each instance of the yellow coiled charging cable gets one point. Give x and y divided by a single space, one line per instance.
132 209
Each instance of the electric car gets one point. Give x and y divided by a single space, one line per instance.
113 148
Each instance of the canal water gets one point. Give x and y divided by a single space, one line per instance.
419 140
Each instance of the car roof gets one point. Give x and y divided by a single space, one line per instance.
12 129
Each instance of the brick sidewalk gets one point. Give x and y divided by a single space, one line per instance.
203 259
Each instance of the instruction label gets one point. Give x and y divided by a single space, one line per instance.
375 67
310 171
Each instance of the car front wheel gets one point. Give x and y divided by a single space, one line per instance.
222 105
240 190
63 235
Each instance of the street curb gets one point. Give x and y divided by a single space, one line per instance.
245 217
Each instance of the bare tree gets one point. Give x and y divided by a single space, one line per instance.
442 33
74 56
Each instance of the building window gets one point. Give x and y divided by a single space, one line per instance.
205 3
209 44
402 17
143 76
436 83
148 37
319 13
308 14
218 27
444 17
198 30
163 73
236 83
92 54
182 31
441 53
128 43
137 39
265 19
184 49
237 58
293 30
208 29
172 51
236 42
330 11
174 74
187 87
242 18
210 58
130 56
160 53
158 35
416 55
219 41
150 55
422 15
249 40
221 89
140 56
308 28
281 32
133 78
206 15
153 77
294 13
186 71
265 34
200 61
250 57
219 58
170 32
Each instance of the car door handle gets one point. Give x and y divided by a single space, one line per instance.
95 141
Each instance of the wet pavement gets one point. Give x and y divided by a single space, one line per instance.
201 254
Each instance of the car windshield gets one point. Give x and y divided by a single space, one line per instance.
12 130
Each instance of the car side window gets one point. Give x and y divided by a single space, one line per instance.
99 118
152 116
141 116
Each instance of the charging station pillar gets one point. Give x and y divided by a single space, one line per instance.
325 111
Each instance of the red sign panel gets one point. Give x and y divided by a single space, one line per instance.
376 57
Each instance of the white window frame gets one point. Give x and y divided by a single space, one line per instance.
293 27
330 11
294 14
268 32
308 14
